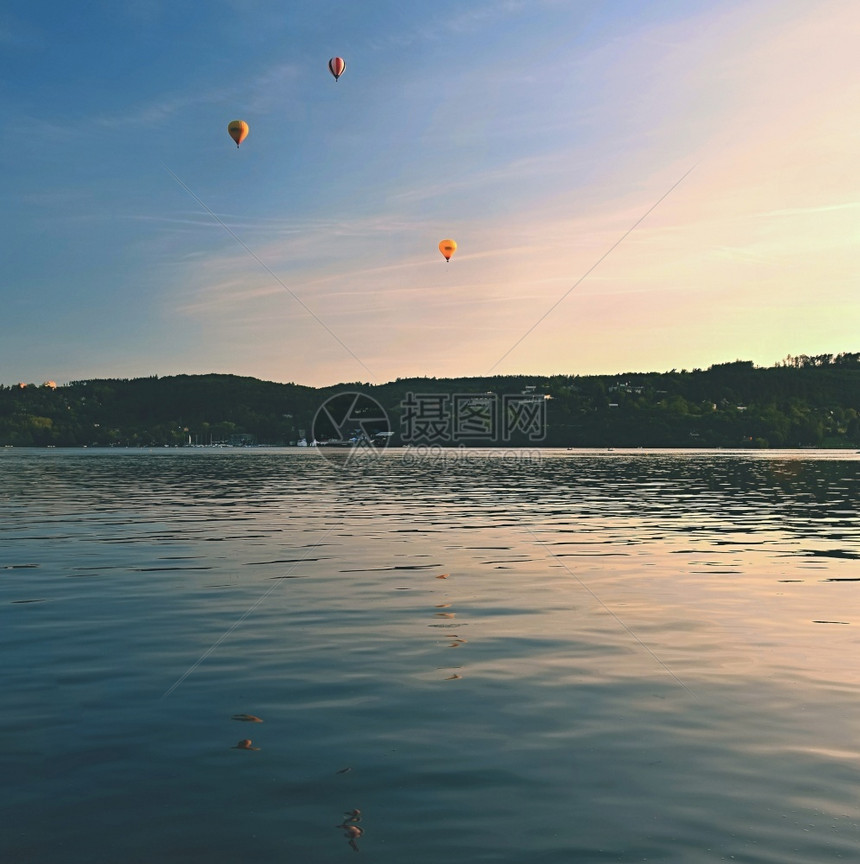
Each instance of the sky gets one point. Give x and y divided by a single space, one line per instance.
632 186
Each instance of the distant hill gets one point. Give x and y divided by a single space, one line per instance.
802 402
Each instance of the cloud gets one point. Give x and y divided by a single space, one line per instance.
160 110
261 94
18 34
457 19
276 88
760 238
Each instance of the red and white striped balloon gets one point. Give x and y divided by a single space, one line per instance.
336 66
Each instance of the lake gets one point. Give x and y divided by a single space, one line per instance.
537 656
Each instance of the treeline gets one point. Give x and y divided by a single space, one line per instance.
801 402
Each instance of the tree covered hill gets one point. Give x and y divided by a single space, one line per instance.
801 402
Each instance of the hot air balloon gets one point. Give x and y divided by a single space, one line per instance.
238 130
447 248
336 66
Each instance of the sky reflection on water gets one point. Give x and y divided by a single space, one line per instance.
633 655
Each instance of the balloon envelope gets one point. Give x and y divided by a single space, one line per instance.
336 66
238 130
448 248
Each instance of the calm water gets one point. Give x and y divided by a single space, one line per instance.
634 656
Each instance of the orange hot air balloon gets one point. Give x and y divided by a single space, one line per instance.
238 131
447 248
336 66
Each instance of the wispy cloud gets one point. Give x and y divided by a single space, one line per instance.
809 211
158 111
457 20
18 34
536 161
260 94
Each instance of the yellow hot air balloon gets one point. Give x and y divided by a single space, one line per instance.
238 130
336 66
448 248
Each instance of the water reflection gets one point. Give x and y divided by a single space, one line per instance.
662 644
351 830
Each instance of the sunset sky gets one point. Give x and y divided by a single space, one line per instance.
137 240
